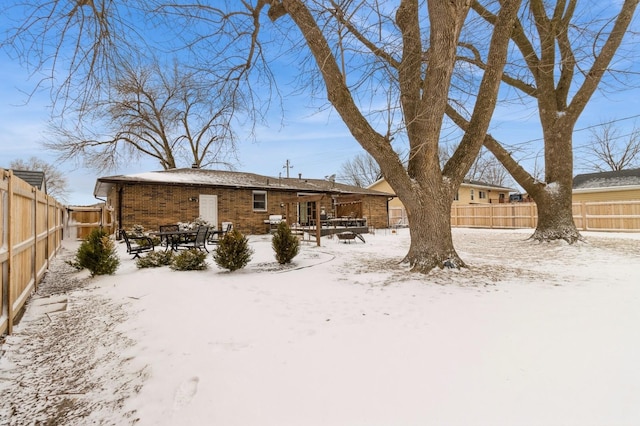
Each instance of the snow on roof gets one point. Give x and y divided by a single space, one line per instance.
223 178
607 179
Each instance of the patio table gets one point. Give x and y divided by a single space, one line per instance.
174 236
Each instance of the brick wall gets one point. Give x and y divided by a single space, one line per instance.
155 205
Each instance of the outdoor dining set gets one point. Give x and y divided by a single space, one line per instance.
172 237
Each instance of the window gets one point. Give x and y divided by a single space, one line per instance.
457 197
482 195
471 191
260 200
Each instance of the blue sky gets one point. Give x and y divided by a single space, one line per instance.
315 143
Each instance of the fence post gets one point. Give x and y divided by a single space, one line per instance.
490 216
583 211
34 250
12 225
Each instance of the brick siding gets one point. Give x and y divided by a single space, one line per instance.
153 205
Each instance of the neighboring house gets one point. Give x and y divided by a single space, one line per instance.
33 178
621 185
245 199
470 192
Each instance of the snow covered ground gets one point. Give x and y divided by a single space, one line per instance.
530 334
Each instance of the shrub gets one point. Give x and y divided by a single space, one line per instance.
137 230
97 254
189 260
285 244
199 221
155 259
233 251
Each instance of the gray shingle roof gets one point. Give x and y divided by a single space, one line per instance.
228 179
607 179
33 178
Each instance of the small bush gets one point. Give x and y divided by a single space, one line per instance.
233 251
189 260
97 254
285 244
155 259
137 230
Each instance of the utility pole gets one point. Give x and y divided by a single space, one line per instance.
287 166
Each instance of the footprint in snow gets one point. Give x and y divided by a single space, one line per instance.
185 393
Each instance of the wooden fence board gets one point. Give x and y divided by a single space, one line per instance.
618 216
31 229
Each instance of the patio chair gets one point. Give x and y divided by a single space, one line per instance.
214 237
199 242
137 244
166 240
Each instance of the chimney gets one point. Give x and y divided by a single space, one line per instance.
300 176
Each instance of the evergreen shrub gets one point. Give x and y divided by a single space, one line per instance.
98 254
233 251
189 260
285 244
155 259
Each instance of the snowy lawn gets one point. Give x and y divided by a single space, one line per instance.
530 334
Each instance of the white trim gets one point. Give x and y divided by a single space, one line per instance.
607 189
253 201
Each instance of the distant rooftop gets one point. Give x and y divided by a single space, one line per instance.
607 179
33 178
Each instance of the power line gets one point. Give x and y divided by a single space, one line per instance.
576 130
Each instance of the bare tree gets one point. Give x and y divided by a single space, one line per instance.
364 52
610 151
55 181
172 117
423 74
361 171
563 50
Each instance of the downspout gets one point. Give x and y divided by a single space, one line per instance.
101 213
120 190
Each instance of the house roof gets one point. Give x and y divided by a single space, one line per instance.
228 179
614 179
33 178
467 182
478 183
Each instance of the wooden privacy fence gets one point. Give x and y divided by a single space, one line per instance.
31 226
81 220
618 216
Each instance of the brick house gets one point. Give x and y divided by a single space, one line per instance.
245 199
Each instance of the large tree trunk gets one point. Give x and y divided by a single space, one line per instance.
554 200
555 218
552 197
431 241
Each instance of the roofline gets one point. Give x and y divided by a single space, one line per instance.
488 186
128 179
607 189
265 187
476 184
